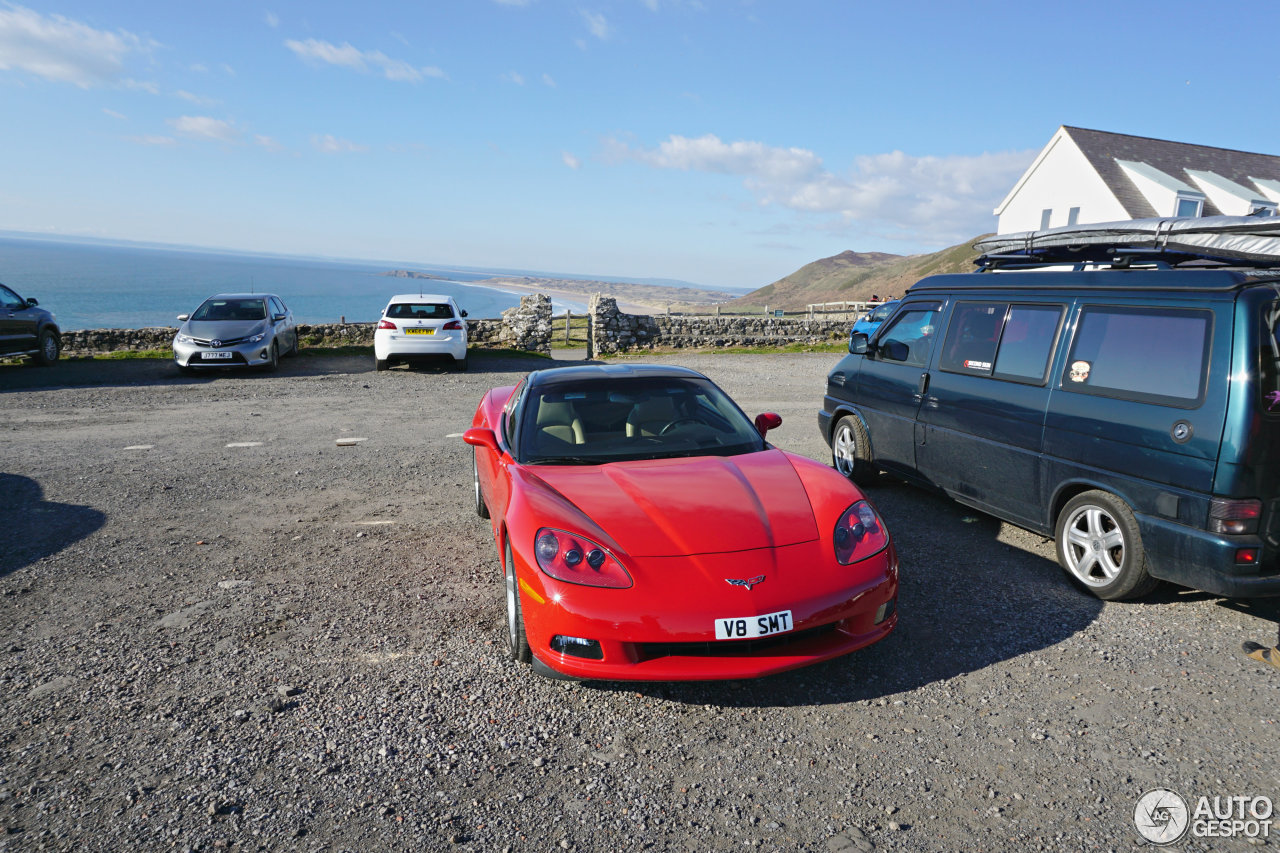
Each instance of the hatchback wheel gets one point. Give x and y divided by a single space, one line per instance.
1101 549
380 363
273 358
851 451
517 644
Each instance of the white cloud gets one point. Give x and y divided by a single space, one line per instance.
141 86
328 144
571 161
346 56
63 50
204 127
154 140
113 113
514 77
195 99
267 142
271 19
597 25
933 199
548 80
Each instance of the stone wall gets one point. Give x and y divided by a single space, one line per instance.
482 334
528 325
612 331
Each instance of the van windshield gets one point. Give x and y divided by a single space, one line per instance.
1269 358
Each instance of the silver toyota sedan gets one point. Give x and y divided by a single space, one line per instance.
236 330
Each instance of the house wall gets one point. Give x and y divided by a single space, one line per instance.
1060 179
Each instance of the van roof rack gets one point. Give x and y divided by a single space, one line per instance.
1251 242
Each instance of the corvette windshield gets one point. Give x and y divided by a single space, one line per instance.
594 422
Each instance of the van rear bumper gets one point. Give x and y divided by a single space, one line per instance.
1207 561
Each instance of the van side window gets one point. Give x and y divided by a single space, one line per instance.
1152 355
1027 342
910 338
972 336
1269 358
997 339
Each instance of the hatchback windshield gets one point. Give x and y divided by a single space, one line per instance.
231 309
589 423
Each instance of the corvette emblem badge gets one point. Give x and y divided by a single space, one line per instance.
747 582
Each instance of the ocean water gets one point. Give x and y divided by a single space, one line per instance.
92 286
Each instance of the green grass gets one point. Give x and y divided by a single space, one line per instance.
838 348
120 355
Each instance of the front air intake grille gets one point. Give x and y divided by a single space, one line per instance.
731 648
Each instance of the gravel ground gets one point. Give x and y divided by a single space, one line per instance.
221 630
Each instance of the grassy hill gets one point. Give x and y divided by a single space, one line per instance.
851 276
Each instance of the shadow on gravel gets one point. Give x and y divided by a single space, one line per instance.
85 373
35 528
966 602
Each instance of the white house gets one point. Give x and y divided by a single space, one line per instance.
1095 176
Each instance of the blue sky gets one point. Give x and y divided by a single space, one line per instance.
722 142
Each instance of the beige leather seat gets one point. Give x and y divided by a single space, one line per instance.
650 416
560 421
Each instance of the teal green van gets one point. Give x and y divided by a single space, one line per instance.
1129 407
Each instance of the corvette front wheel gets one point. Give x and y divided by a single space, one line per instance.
517 643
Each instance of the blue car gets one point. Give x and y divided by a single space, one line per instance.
870 321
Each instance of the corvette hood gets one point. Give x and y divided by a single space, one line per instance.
703 505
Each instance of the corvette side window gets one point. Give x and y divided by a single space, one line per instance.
511 414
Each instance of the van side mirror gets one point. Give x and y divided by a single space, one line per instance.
858 343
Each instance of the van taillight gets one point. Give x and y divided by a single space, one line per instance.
455 325
1234 516
387 324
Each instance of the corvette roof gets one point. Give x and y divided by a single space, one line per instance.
609 372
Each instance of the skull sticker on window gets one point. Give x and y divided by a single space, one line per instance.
1080 371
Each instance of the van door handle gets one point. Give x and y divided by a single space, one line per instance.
922 385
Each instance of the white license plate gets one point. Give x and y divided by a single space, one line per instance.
211 355
746 627
419 331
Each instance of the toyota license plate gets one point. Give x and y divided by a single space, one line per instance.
419 331
212 356
746 627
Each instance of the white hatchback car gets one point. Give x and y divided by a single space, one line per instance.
417 326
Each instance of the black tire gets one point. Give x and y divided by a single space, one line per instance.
48 348
481 509
380 363
273 363
851 452
517 644
460 364
293 350
186 371
1100 547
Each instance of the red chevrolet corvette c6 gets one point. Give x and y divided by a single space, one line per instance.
648 531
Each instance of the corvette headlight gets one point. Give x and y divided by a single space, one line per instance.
576 559
859 534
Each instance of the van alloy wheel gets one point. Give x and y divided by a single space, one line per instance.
1101 548
850 451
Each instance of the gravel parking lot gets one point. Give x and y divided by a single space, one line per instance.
221 630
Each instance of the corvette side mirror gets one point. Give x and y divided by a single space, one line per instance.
767 421
481 437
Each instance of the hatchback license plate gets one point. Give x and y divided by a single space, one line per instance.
216 355
419 331
746 627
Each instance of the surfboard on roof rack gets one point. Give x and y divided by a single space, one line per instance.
1238 240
